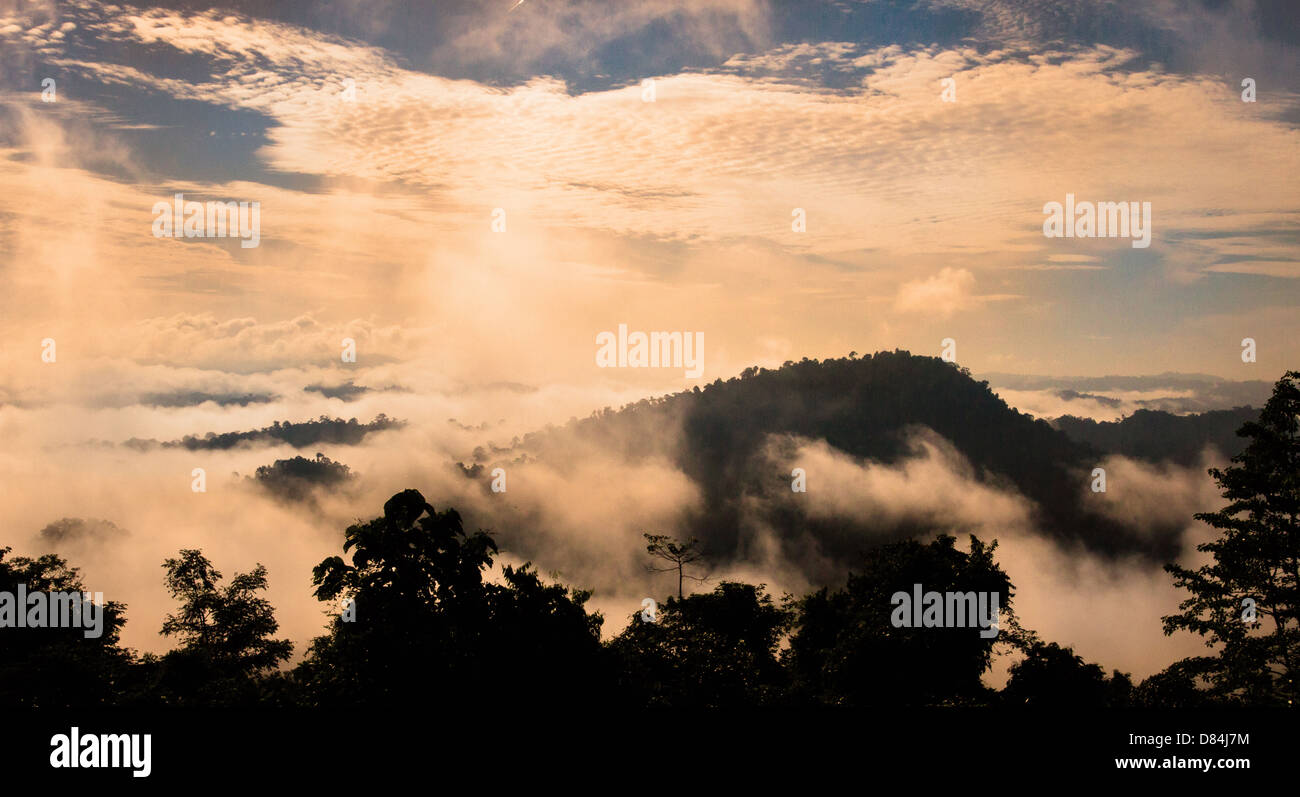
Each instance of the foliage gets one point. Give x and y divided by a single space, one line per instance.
1255 567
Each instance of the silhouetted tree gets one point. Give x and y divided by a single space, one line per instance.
299 435
1256 559
50 667
716 649
541 644
425 627
297 478
676 553
78 531
1053 676
225 634
1174 688
846 650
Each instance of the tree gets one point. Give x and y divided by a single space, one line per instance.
298 478
716 649
1175 688
678 555
400 641
59 667
225 633
1051 676
1255 574
846 651
428 629
541 645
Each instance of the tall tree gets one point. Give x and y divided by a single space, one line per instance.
424 627
676 553
1246 602
226 633
391 642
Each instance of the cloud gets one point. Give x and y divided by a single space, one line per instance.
943 294
1109 398
604 194
923 222
461 138
1108 609
934 487
1147 496
582 29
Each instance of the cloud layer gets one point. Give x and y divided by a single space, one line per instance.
470 203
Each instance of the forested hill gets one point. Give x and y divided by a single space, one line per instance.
1157 436
863 406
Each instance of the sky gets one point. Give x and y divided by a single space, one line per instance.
472 192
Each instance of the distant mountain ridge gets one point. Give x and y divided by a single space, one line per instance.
867 408
1172 392
1156 436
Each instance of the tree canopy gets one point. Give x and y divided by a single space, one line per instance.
422 613
1246 601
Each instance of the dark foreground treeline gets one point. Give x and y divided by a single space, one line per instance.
419 626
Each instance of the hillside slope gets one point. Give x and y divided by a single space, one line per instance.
865 407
